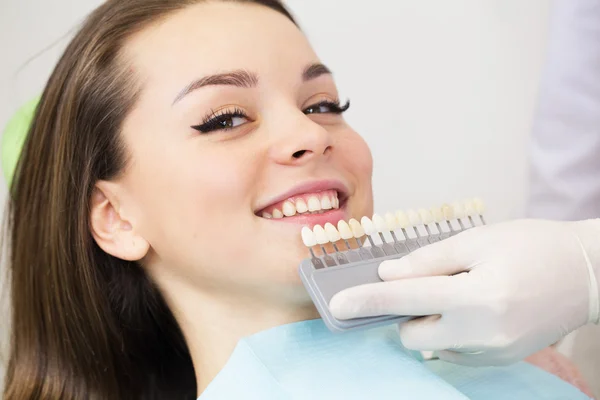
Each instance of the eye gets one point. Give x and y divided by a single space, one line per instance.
222 121
327 107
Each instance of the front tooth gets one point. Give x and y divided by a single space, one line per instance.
379 222
266 215
289 209
332 233
314 204
326 203
301 206
308 237
357 229
368 225
320 234
277 214
344 229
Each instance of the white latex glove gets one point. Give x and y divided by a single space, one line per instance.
529 283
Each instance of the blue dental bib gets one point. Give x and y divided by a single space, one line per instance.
306 361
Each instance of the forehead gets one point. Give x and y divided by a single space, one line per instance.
212 37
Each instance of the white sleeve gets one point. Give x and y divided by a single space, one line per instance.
565 144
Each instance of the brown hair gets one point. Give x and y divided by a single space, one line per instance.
84 324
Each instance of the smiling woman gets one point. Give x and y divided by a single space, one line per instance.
153 227
126 180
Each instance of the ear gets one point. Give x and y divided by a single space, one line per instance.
114 234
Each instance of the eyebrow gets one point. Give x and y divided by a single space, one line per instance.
244 79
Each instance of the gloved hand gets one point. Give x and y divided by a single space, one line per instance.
528 284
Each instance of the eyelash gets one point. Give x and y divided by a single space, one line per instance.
214 121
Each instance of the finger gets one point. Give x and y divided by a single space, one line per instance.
471 359
428 334
447 257
418 297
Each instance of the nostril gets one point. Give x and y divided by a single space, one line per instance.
299 154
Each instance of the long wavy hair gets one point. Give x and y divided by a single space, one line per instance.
84 324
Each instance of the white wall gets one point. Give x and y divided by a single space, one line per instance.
443 91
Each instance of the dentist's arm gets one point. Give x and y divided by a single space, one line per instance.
528 284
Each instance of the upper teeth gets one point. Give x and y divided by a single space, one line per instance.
313 204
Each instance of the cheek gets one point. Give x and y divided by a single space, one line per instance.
190 196
357 157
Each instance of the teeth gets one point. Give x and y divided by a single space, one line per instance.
357 229
425 216
469 208
368 225
326 203
314 204
391 222
479 206
345 231
320 234
301 206
335 202
438 214
277 214
459 211
266 215
448 212
289 210
402 219
308 237
379 223
332 234
413 218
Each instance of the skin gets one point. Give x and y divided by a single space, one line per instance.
185 206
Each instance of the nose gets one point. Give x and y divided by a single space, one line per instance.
299 140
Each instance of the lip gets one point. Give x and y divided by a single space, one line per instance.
308 187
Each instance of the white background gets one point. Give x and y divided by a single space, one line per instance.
443 91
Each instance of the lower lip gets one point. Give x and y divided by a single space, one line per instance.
332 216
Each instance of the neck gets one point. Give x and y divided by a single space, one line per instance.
214 323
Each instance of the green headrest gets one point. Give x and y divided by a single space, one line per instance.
14 136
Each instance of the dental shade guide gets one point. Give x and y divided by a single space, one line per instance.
383 238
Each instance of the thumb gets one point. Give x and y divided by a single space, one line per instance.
447 257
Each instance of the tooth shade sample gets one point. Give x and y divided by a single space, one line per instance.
301 206
459 212
448 212
314 204
426 216
437 214
379 223
479 206
308 237
413 218
326 203
289 209
344 229
402 219
266 215
320 234
391 222
332 234
469 209
277 214
357 229
368 225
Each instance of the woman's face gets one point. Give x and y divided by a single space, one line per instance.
235 125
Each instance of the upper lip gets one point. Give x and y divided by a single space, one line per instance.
308 187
